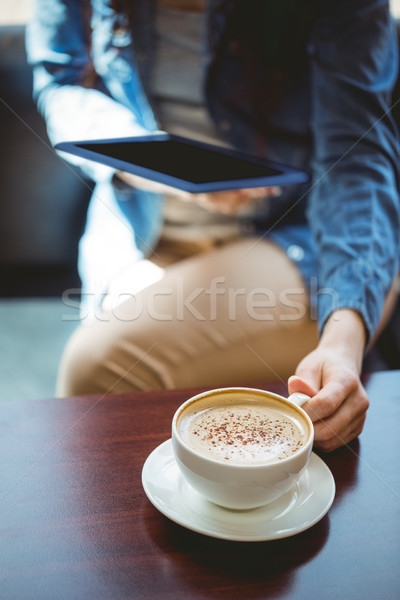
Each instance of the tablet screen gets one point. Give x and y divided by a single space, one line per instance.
181 160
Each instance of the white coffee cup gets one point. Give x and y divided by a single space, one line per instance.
242 447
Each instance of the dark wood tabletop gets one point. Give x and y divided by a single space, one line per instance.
75 522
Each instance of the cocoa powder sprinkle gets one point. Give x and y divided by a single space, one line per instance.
247 434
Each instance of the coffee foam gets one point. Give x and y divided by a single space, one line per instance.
243 430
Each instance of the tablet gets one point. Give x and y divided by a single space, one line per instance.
184 163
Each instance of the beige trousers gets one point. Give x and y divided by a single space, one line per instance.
232 314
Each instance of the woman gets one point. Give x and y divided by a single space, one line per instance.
240 286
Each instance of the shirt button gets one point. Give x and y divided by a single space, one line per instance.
295 253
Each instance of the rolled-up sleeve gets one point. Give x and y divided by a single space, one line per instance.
57 44
354 202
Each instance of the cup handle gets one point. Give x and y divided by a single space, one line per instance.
299 398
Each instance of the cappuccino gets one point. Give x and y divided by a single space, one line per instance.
243 431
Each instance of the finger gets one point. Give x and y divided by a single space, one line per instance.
252 194
151 186
259 193
345 424
230 202
218 198
273 191
327 437
351 409
298 385
330 398
311 372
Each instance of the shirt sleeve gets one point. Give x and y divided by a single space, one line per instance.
354 202
57 44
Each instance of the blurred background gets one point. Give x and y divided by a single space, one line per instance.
42 213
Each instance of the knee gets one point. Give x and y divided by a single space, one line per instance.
81 366
100 360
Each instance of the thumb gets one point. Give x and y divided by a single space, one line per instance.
298 385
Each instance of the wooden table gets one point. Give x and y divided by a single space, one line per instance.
76 524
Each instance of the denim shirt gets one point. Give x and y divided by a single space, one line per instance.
310 87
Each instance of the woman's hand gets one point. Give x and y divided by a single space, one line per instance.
233 201
330 375
227 202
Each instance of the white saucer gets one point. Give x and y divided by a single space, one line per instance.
300 508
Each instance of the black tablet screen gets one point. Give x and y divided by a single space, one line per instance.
181 160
